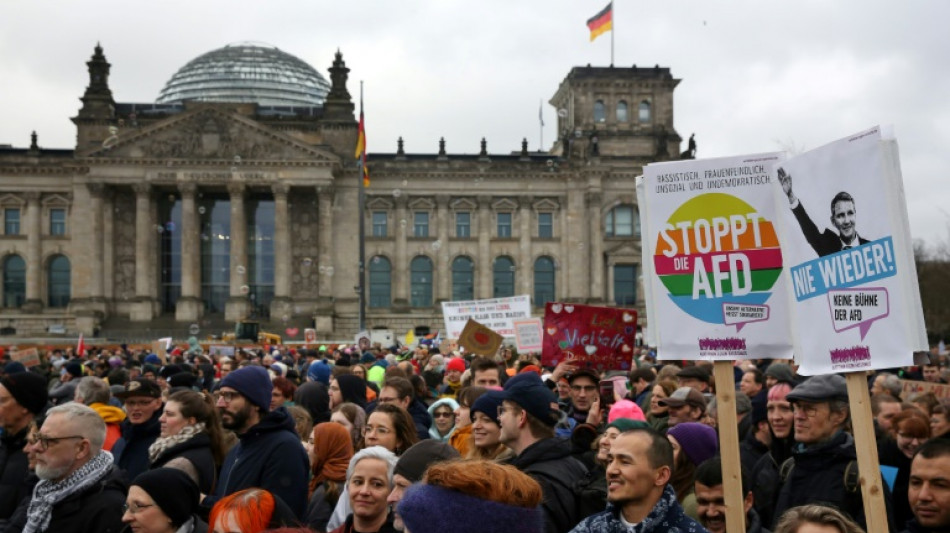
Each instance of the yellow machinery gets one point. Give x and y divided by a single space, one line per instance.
249 331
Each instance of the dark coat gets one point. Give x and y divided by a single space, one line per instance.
421 418
667 517
197 450
347 526
750 451
14 468
269 456
550 463
130 452
824 242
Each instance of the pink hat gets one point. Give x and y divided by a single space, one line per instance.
625 409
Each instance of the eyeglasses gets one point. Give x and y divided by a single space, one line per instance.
810 410
136 508
45 441
378 430
228 396
444 415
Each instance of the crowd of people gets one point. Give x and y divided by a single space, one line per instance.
429 439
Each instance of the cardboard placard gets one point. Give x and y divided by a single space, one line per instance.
479 339
909 386
29 357
310 336
602 338
528 335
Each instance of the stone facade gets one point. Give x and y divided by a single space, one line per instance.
573 208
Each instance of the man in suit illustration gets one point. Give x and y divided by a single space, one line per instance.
843 217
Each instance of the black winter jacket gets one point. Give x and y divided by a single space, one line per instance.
197 450
14 468
550 463
130 452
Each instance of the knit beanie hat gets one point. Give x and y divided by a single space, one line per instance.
352 388
420 456
488 404
14 367
74 368
175 493
698 441
530 393
253 383
625 409
432 509
28 389
319 371
625 424
456 363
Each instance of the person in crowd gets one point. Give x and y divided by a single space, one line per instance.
303 425
657 414
461 439
929 490
931 373
641 386
452 381
780 373
65 390
886 383
592 489
940 420
319 372
442 412
884 408
353 418
686 404
95 393
143 408
251 510
369 482
329 459
486 433
315 398
756 442
584 390
925 401
693 443
347 388
473 496
269 454
816 518
79 488
639 467
282 393
191 438
765 475
410 467
753 383
695 377
164 500
23 398
487 373
910 429
399 391
711 499
527 419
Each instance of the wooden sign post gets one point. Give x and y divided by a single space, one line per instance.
729 445
872 489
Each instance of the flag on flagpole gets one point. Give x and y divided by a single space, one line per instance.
410 338
361 148
80 347
601 22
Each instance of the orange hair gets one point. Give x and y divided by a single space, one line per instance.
487 480
251 508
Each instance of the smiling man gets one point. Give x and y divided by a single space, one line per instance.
843 217
929 490
143 407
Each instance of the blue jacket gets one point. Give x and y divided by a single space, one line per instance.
270 456
667 516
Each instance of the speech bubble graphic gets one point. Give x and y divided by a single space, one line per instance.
741 314
858 308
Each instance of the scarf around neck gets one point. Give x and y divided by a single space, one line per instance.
162 444
48 493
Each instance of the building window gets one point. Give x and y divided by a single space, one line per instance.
600 113
11 221
379 224
463 278
622 221
503 277
420 282
58 283
14 281
625 285
504 225
543 281
57 222
622 111
420 226
380 282
260 254
463 225
216 234
546 225
646 114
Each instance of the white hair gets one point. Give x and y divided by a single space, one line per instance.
374 452
87 421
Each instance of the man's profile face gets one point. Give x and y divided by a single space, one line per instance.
929 491
887 412
843 217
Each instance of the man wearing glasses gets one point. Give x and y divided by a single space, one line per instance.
79 488
142 399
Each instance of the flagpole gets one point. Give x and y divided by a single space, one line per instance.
541 125
362 229
613 30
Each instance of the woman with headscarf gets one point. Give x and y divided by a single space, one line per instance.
315 398
164 500
329 459
191 438
692 443
347 388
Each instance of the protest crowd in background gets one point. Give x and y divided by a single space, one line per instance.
430 439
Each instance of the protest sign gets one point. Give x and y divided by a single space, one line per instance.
528 334
843 225
479 339
160 348
497 314
908 387
602 338
309 336
218 350
712 259
28 356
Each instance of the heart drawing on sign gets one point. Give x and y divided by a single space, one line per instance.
556 308
569 308
590 349
481 337
292 332
627 317
552 331
628 330
625 349
563 344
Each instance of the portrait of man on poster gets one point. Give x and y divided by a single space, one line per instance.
843 218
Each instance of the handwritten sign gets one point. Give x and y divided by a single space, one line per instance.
479 339
29 357
497 314
602 338
528 336
909 387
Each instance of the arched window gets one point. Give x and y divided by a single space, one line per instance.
58 283
646 113
600 113
543 281
420 282
622 111
503 277
463 278
380 282
14 281
622 221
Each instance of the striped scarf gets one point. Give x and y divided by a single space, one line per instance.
48 493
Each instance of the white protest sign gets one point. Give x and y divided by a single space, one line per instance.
528 335
845 233
713 261
498 314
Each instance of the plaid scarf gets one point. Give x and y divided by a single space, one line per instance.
162 444
48 493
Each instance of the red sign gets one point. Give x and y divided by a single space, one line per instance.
602 338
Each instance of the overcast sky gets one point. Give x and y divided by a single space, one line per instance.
757 75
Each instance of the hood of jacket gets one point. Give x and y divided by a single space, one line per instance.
277 420
552 449
110 414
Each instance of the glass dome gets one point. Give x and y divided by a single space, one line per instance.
247 72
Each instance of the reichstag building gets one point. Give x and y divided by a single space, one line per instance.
236 195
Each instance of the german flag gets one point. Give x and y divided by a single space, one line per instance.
361 151
601 22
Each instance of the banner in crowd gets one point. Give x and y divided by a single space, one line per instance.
528 336
602 338
845 234
908 387
498 314
29 357
479 339
712 262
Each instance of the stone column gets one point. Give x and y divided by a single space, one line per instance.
483 266
596 295
237 306
281 304
401 262
96 193
443 269
189 307
142 309
525 268
34 256
325 246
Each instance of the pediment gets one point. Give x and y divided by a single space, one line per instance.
505 204
377 202
627 247
209 133
546 204
55 200
463 204
421 203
